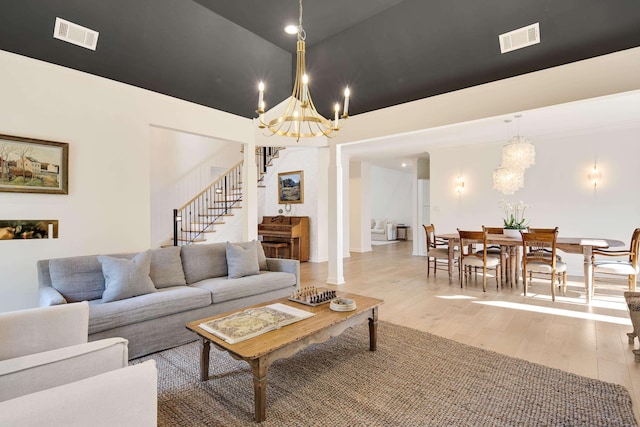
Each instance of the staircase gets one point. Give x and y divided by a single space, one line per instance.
220 199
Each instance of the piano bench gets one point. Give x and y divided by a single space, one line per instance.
272 249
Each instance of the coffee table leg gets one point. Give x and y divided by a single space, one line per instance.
205 346
259 369
373 329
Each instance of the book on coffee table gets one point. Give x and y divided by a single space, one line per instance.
253 322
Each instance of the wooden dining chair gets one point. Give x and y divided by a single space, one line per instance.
546 252
438 250
498 251
472 259
628 268
536 259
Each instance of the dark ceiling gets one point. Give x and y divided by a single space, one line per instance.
213 52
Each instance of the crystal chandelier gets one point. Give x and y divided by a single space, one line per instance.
300 118
517 155
508 180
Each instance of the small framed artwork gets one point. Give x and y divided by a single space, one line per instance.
29 229
33 165
291 187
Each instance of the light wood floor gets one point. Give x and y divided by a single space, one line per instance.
565 334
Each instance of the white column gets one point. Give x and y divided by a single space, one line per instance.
346 207
359 206
249 193
416 227
335 237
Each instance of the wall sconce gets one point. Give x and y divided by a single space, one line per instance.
459 184
595 176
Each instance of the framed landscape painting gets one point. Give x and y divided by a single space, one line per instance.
291 187
33 165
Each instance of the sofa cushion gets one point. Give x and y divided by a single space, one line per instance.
204 261
166 267
225 289
161 303
242 261
125 278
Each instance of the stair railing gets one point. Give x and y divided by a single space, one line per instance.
201 213
264 156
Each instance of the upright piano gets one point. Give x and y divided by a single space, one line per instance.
290 229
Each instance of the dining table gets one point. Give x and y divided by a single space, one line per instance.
510 249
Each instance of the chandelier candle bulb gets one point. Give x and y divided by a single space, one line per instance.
347 93
337 110
305 82
261 97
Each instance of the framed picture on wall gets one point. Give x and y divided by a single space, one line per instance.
33 165
291 187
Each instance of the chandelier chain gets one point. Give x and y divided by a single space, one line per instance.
302 35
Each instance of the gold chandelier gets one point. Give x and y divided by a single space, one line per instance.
300 118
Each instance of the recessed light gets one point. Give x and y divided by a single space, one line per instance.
291 29
404 165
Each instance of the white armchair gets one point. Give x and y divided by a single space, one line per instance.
383 229
50 374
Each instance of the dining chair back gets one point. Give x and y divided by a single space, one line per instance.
475 260
540 257
437 250
494 230
545 251
628 268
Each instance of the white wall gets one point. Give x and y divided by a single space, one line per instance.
556 187
313 163
107 126
391 195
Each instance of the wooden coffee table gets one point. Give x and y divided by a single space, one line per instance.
260 352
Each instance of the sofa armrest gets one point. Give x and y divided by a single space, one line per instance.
41 329
40 371
392 231
285 265
123 397
48 296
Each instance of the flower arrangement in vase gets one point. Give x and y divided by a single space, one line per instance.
514 220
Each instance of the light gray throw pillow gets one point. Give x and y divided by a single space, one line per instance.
166 267
125 278
262 259
242 261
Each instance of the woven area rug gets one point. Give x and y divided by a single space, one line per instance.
413 379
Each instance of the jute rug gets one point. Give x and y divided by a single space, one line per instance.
413 379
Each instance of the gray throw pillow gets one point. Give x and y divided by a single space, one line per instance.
125 278
242 261
166 267
262 259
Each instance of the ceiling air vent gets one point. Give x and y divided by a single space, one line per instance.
76 34
522 37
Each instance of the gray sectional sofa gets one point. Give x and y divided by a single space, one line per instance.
149 297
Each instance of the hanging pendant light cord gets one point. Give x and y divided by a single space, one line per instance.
302 35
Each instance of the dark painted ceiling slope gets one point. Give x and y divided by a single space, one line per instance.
213 52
